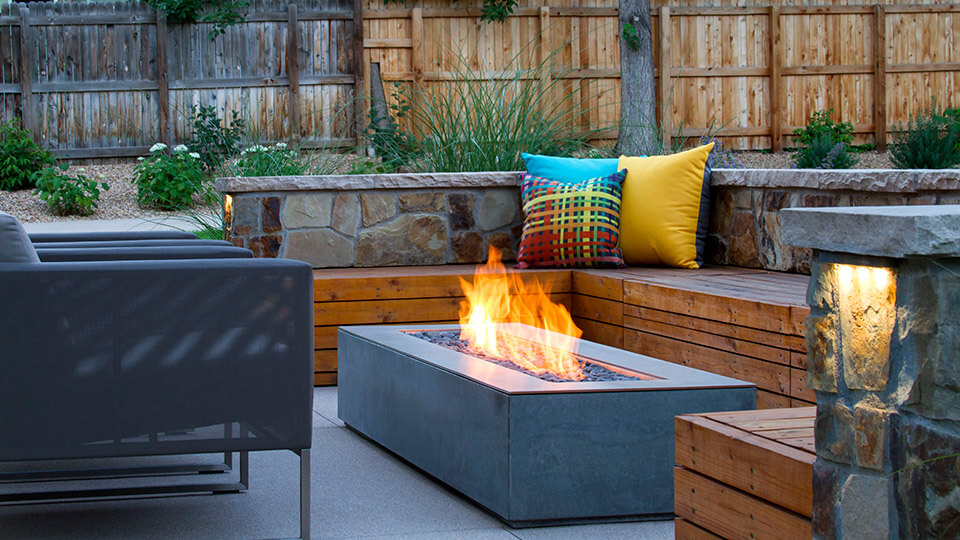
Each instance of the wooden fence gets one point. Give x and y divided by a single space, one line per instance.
109 80
757 71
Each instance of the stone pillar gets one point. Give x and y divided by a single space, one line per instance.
883 341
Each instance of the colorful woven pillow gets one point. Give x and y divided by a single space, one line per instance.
569 224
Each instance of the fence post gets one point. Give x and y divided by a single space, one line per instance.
880 77
666 118
776 118
358 90
28 111
293 73
163 82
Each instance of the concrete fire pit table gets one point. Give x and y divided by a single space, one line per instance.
528 450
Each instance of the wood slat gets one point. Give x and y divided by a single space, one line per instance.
598 332
324 379
684 530
796 344
325 360
798 385
766 375
758 466
723 343
414 282
397 311
770 400
597 309
731 513
598 283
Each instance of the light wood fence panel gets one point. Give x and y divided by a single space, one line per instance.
754 70
99 85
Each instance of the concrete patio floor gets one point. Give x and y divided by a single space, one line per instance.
359 491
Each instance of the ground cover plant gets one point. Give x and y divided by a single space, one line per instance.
20 157
68 195
823 143
930 140
214 142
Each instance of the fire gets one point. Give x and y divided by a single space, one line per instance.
490 303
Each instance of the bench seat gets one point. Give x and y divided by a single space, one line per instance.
738 322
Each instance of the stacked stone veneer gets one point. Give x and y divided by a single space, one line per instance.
376 220
745 226
883 338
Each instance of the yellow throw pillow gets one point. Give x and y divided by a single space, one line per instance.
665 201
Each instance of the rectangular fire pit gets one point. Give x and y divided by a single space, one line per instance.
528 450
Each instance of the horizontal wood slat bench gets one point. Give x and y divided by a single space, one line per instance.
746 474
739 322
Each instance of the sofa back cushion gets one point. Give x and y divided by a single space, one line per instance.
15 245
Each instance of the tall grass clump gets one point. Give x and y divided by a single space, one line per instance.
482 121
931 140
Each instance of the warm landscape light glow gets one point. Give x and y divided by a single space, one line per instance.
496 297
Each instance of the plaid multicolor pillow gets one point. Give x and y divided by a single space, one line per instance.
570 224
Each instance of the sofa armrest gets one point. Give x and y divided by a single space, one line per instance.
105 359
93 236
51 255
165 242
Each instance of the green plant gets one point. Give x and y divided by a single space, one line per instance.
821 124
170 182
395 146
719 157
369 166
630 36
214 142
931 140
20 157
274 160
68 195
824 153
219 13
481 122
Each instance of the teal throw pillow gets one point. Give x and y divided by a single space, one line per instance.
567 169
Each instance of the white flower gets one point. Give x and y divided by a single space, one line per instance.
257 148
180 148
281 145
159 147
194 155
140 158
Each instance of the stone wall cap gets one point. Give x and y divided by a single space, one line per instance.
883 231
872 180
348 182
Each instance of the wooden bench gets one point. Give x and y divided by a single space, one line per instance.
739 322
746 474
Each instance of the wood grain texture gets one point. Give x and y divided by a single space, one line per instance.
730 513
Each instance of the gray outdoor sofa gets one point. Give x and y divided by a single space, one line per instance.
152 354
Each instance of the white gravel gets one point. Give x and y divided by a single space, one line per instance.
120 201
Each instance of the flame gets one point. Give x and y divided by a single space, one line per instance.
490 303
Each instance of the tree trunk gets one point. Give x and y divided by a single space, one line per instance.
638 120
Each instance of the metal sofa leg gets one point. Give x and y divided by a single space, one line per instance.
304 493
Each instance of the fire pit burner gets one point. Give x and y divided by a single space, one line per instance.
592 370
528 450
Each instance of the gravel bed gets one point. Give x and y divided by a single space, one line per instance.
120 201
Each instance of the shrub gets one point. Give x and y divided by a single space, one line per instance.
274 160
820 125
68 195
479 122
169 182
214 142
824 152
931 140
20 157
720 158
219 13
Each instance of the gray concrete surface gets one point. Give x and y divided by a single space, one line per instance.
359 491
136 224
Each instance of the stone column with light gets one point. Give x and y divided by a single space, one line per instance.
883 341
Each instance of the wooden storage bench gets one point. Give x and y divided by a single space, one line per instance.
746 474
739 322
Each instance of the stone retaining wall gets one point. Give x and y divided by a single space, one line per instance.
746 203
376 220
423 219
